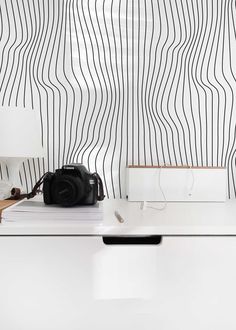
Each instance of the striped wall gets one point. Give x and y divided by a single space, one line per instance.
120 82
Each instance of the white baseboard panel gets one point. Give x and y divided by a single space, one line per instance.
177 184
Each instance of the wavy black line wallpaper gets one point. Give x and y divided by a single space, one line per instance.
117 82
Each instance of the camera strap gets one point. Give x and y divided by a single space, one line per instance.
37 185
16 193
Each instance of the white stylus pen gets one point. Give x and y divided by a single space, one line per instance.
119 217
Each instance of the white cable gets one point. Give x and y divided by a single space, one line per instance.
145 205
162 192
193 182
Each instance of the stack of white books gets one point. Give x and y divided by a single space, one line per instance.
35 210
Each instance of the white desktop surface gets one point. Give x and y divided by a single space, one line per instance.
176 219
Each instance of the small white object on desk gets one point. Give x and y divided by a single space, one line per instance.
119 217
5 189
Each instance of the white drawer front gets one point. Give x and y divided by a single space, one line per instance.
78 283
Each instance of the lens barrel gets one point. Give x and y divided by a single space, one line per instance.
67 190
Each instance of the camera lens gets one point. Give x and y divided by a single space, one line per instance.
67 190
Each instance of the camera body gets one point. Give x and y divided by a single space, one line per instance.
71 185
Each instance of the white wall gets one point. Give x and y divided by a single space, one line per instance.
123 82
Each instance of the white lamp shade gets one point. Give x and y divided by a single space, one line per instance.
20 133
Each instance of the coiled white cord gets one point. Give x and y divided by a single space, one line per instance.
144 204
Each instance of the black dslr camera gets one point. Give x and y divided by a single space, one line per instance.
72 185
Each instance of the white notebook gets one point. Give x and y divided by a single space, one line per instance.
37 210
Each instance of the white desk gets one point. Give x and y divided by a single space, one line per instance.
76 282
175 219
